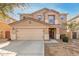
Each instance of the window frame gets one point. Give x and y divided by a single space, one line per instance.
39 17
52 20
62 17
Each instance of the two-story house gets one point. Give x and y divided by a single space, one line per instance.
44 24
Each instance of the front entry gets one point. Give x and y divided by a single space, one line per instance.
52 32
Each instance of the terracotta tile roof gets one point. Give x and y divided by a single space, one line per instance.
29 18
47 10
42 22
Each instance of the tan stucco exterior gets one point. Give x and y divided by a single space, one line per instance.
76 21
30 21
26 25
3 28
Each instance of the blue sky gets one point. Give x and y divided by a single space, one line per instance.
71 8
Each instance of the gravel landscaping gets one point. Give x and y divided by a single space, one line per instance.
62 49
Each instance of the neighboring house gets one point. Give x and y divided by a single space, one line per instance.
44 24
4 27
4 30
75 33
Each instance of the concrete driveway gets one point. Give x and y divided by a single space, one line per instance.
26 48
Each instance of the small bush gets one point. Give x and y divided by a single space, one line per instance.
65 39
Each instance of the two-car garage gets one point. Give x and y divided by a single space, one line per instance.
29 34
29 29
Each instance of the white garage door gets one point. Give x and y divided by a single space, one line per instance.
29 34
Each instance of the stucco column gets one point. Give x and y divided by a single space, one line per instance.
57 33
3 34
46 34
13 34
78 34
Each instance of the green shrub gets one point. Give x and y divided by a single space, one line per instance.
65 39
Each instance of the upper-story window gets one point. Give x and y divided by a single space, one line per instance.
62 17
39 17
51 19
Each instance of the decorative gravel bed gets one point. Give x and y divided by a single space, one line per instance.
61 49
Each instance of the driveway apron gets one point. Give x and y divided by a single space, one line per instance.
26 48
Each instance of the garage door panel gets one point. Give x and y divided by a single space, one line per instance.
29 34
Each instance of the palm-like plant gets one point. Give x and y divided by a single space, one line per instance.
6 8
71 26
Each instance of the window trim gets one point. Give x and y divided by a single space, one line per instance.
62 17
40 18
54 18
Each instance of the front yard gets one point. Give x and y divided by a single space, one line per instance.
62 49
52 48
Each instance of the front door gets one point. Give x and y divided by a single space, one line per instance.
7 34
74 35
52 33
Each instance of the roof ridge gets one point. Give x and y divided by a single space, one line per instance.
74 17
45 9
32 19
